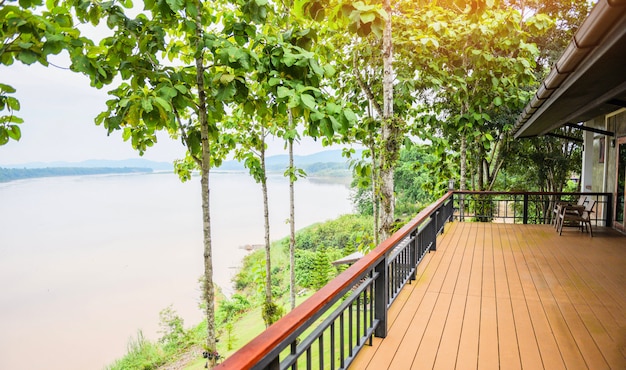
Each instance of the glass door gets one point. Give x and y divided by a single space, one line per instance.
621 184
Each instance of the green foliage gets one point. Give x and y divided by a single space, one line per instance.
9 128
272 312
322 270
172 331
314 268
228 312
175 339
415 182
345 234
542 164
141 354
337 233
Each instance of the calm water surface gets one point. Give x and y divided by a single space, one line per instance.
87 261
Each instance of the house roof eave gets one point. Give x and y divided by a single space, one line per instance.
588 80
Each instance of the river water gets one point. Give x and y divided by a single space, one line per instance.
87 261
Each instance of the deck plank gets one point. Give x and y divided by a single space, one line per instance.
510 296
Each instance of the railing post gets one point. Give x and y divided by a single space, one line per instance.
525 217
608 210
413 253
381 287
433 234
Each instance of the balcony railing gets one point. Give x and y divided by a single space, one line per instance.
328 329
525 207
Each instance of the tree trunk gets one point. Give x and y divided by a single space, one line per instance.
463 177
208 288
389 149
375 194
480 175
266 218
292 224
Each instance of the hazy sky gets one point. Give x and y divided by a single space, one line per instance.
59 107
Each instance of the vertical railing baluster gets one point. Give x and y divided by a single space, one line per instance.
294 347
342 339
351 326
321 351
365 300
309 359
358 320
371 305
332 346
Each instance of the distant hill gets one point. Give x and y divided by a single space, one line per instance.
325 163
99 163
12 174
329 159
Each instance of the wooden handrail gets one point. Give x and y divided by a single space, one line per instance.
258 348
527 192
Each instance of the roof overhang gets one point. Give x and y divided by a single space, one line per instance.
588 80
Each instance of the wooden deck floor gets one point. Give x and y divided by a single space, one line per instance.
510 297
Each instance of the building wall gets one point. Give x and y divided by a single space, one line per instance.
604 152
599 154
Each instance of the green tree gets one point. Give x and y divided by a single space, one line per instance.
321 269
480 68
178 65
30 32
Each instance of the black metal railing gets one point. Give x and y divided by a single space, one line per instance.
329 329
525 207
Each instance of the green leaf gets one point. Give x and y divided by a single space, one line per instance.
175 5
27 57
274 81
308 101
126 134
350 116
146 104
497 101
7 88
182 88
283 92
329 71
226 78
13 103
4 136
163 104
168 91
14 132
367 17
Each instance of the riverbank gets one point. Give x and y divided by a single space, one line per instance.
238 317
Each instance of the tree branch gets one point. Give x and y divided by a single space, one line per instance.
183 134
366 89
